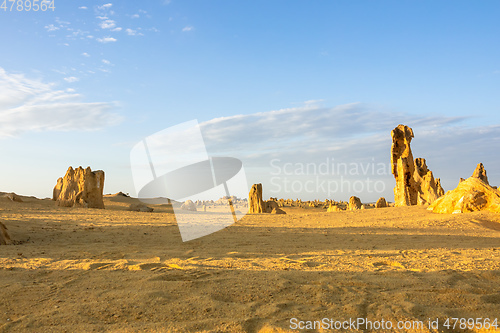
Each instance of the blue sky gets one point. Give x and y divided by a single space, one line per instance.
296 81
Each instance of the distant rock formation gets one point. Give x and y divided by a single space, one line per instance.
270 206
480 173
333 208
354 203
138 207
12 197
255 202
188 205
415 183
80 188
471 195
381 203
278 210
4 235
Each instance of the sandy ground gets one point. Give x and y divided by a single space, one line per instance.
86 270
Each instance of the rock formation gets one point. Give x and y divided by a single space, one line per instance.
188 205
12 197
278 210
138 207
333 208
415 183
354 203
4 235
480 173
270 205
470 195
57 189
80 188
428 188
255 202
381 203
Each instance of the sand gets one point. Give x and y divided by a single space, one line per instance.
91 270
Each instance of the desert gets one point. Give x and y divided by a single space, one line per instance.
114 270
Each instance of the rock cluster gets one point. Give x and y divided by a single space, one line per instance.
415 183
471 195
188 205
333 208
80 188
257 205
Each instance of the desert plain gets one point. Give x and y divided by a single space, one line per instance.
114 270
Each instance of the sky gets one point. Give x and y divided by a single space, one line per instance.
304 93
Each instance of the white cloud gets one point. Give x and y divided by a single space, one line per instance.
135 16
102 17
85 54
188 28
51 27
107 62
71 79
82 7
32 105
117 29
107 24
106 6
132 32
106 40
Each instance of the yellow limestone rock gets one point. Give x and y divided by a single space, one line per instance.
480 173
80 188
255 202
415 183
381 203
471 195
354 203
333 208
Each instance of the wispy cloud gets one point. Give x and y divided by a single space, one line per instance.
51 27
71 79
32 105
107 62
82 7
107 24
188 28
105 6
132 32
85 54
105 40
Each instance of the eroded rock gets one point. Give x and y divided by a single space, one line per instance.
255 202
80 188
